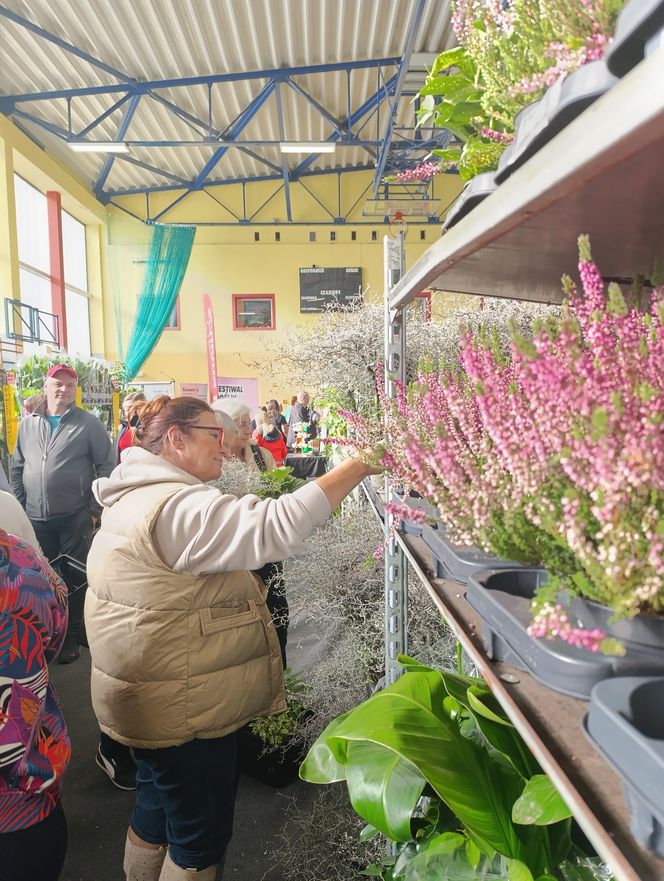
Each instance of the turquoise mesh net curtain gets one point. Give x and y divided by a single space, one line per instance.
166 264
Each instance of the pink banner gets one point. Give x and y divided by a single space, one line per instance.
211 347
238 388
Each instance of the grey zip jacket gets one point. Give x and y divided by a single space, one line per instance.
52 474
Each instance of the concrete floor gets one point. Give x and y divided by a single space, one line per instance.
97 813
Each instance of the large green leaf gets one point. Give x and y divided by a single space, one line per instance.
320 765
540 803
383 787
448 86
457 57
408 719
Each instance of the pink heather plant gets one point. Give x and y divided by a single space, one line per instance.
554 454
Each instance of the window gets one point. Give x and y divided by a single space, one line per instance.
75 258
37 269
34 265
257 237
423 234
277 236
173 321
353 235
312 236
253 312
333 236
374 235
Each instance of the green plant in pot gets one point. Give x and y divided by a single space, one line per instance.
270 747
432 763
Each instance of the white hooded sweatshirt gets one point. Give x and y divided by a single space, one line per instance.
199 530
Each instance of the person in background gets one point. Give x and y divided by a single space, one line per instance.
59 451
34 743
257 417
268 436
288 409
30 404
255 458
301 412
274 411
125 434
183 653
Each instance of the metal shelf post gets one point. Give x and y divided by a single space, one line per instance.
396 575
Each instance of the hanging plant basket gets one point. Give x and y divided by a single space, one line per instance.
502 600
626 724
642 635
417 503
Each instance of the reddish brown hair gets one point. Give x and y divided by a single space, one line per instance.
152 419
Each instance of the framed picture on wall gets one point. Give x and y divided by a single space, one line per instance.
254 312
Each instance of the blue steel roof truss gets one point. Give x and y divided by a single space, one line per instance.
390 152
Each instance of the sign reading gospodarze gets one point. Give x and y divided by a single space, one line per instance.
322 287
238 388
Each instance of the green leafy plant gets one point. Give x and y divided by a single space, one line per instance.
272 484
275 731
432 763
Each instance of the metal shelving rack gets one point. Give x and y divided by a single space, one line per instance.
601 175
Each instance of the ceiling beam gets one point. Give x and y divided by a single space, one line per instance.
122 129
413 27
279 74
285 172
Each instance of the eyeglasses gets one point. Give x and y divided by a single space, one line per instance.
218 431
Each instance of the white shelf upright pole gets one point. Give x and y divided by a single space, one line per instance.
396 574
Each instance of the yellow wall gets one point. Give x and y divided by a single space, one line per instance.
225 259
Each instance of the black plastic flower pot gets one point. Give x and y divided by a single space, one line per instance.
502 600
276 768
458 562
625 722
541 121
641 635
472 194
638 22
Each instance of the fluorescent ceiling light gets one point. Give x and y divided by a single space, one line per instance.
307 147
98 146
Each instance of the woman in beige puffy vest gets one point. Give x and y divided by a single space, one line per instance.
183 649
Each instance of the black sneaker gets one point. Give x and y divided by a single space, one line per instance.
121 772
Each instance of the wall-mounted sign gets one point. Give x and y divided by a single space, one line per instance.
94 393
238 388
194 390
322 287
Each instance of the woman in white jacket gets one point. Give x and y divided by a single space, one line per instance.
183 649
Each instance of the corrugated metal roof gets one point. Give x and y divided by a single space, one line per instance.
164 39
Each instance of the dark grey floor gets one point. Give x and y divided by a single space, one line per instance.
97 813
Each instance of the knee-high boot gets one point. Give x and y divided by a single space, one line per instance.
171 872
142 863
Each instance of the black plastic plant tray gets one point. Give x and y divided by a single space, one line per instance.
637 23
626 724
417 503
472 194
502 600
540 122
457 562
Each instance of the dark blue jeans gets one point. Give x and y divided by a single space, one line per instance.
185 795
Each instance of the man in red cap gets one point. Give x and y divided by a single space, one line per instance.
60 450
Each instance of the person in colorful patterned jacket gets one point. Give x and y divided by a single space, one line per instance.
34 743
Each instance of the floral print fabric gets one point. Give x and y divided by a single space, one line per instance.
34 743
